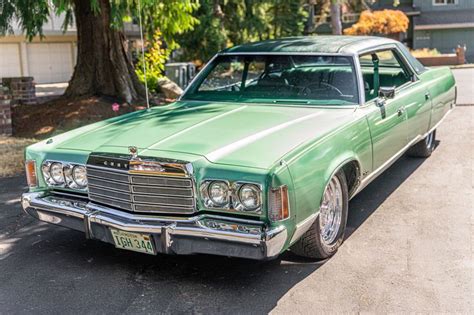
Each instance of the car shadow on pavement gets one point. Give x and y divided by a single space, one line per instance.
369 199
89 275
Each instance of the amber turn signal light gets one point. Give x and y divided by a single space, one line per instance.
31 178
279 204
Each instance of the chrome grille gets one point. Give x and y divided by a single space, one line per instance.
139 192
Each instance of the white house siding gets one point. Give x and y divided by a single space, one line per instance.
50 62
10 61
50 59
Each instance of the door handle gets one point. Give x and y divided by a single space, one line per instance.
427 96
401 111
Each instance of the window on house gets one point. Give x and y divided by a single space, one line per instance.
444 2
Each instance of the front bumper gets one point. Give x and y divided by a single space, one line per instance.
204 234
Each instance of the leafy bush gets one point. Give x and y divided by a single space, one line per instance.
425 52
155 59
379 22
226 23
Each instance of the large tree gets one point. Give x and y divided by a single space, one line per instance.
225 23
103 64
334 9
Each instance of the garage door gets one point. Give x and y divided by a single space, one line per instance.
10 60
50 63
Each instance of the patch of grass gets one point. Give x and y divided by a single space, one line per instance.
12 157
425 52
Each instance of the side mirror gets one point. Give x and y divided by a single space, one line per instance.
387 91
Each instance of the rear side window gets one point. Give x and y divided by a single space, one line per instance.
382 68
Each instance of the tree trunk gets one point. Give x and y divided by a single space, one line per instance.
336 17
310 25
103 65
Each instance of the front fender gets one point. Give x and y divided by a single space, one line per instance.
312 169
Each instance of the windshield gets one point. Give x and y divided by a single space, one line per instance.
298 79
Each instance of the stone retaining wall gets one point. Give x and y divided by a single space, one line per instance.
22 90
5 112
459 58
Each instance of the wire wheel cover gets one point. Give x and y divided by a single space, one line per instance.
330 212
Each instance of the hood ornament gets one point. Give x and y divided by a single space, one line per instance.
151 166
134 152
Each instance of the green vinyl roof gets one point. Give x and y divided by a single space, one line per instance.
311 44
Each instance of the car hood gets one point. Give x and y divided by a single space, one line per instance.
249 135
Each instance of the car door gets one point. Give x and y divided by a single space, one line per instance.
387 117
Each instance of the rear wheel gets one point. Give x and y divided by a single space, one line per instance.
327 232
425 147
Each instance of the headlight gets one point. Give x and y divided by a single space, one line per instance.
249 196
56 172
232 195
79 175
64 174
46 174
219 193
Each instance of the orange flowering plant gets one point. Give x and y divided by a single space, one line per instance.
379 22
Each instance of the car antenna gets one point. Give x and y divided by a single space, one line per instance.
143 54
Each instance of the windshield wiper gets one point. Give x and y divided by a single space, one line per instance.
291 102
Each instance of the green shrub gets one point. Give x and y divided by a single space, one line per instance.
155 59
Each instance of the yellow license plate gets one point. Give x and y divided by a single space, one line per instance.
133 241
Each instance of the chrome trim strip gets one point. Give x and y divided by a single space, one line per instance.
69 194
162 187
249 53
303 227
352 106
91 197
107 169
197 76
366 181
453 106
111 189
186 180
360 80
148 203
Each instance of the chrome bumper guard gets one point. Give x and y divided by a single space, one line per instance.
203 234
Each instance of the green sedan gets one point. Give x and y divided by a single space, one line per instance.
261 154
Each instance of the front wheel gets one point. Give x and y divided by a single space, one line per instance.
327 232
425 147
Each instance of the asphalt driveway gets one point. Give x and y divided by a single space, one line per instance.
409 249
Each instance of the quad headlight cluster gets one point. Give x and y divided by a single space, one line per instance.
61 174
238 196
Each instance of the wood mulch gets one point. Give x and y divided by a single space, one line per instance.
60 115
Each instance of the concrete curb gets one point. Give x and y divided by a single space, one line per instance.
466 66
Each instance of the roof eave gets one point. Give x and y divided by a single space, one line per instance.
443 26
